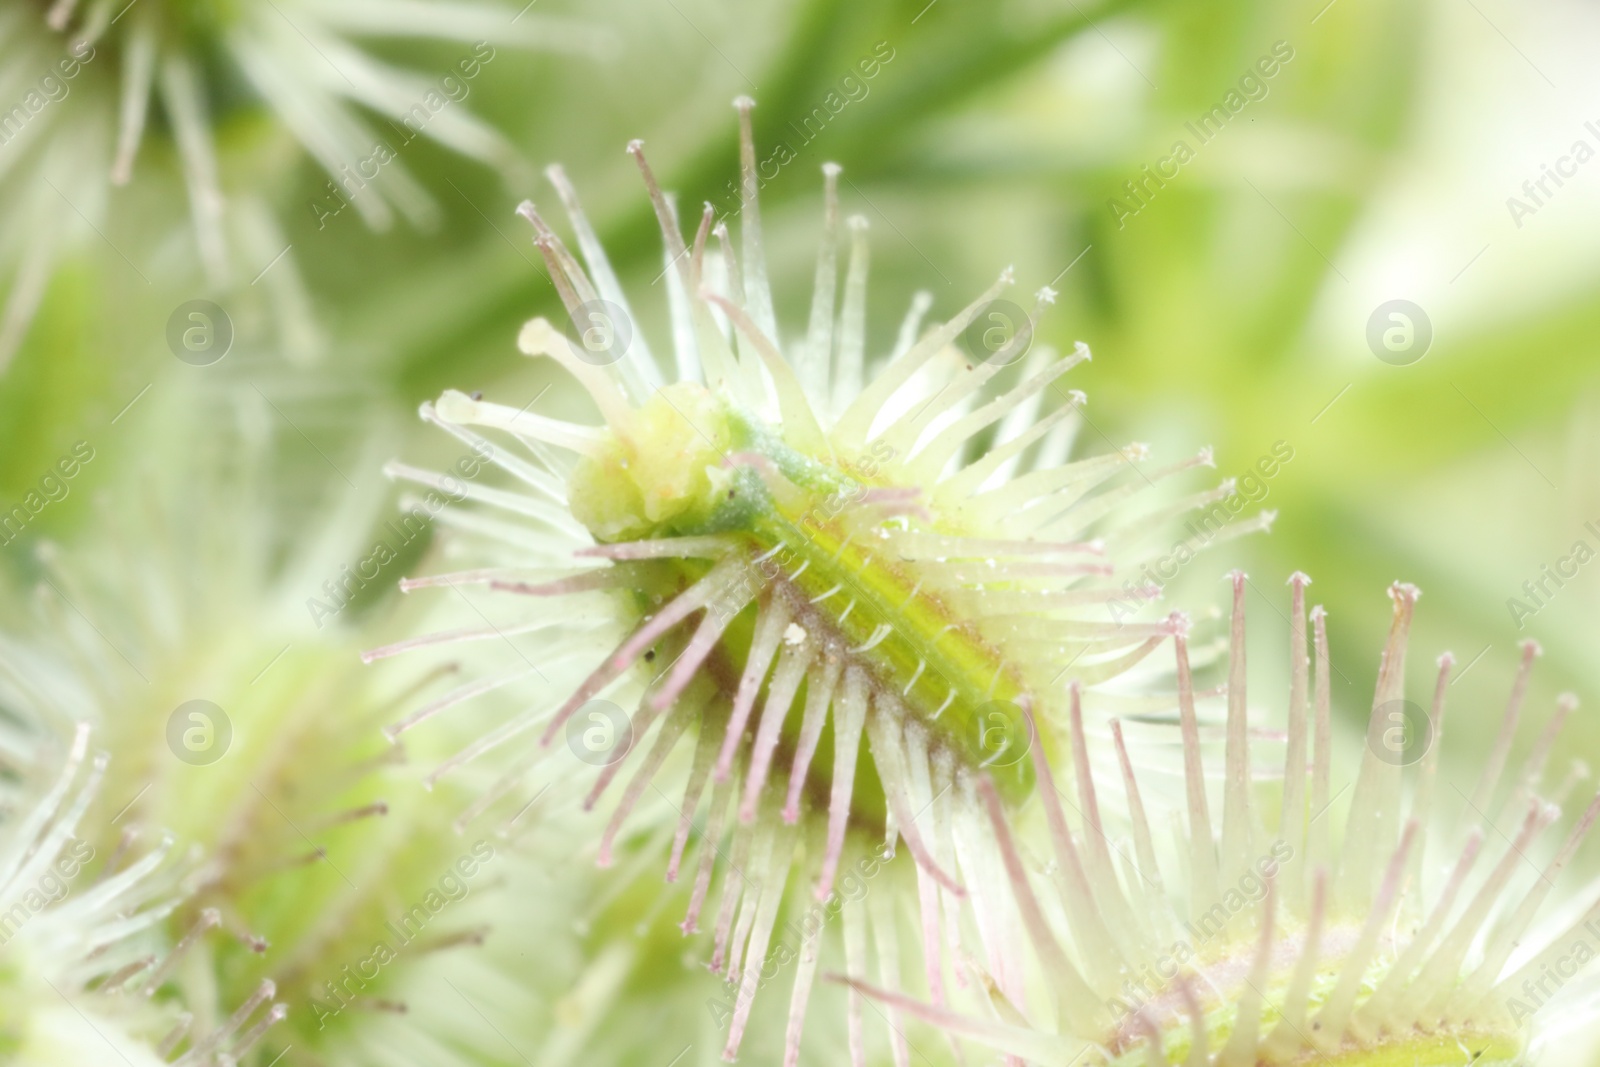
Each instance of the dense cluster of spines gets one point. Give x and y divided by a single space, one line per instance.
966 569
1345 952
98 946
302 835
303 61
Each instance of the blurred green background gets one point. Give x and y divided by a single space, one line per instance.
1374 164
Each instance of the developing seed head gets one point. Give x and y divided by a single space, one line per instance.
859 595
1302 942
94 80
73 945
228 683
661 475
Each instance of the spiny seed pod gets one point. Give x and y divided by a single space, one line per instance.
776 552
1307 945
80 931
85 81
246 728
